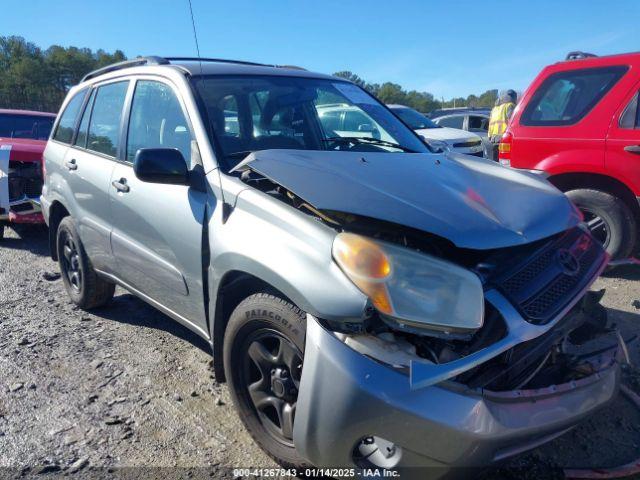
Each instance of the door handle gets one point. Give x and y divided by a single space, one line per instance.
121 185
71 164
632 149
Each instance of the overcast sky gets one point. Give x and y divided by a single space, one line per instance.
447 48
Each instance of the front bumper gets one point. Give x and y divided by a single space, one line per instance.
345 396
23 210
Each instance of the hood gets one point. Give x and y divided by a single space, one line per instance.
448 135
473 203
24 149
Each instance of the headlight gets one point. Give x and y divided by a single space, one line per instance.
412 290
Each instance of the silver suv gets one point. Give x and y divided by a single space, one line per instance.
371 303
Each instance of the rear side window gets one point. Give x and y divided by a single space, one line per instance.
566 97
104 126
64 130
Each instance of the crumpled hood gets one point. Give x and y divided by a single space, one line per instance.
474 203
448 135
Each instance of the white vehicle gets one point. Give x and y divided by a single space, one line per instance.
459 141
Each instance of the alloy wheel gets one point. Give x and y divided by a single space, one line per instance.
71 266
598 227
271 376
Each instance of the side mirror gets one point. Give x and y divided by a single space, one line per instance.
161 165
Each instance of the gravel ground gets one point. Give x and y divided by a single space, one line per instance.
125 387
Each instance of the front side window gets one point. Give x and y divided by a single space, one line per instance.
64 130
564 98
104 126
298 113
157 120
414 119
454 121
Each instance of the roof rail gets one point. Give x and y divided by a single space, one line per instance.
226 60
151 60
217 60
578 55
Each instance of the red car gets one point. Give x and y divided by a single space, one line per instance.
579 124
23 136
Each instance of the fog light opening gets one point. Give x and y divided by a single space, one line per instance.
376 452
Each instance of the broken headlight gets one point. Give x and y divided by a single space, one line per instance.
412 291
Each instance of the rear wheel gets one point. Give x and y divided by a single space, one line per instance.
609 219
263 353
85 288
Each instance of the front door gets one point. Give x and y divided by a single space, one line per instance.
158 229
623 142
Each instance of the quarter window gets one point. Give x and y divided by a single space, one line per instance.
81 138
566 97
67 123
104 126
630 118
157 120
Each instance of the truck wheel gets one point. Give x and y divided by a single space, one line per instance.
263 353
84 286
610 220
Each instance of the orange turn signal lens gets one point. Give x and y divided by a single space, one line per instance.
504 147
361 257
366 265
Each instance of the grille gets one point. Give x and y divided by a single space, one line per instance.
542 285
467 144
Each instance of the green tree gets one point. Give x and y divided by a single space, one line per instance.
31 78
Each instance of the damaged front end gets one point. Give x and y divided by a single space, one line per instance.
473 348
21 180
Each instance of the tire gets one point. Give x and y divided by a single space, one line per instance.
85 288
271 330
1 231
610 220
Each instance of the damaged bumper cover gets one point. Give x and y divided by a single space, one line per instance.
346 397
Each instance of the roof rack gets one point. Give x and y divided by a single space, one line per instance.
217 60
154 60
578 55
150 60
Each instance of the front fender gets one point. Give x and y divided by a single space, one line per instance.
287 249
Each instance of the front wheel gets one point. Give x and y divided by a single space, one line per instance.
85 288
263 354
609 219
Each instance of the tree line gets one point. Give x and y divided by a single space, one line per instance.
35 79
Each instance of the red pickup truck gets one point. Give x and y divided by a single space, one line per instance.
579 124
23 136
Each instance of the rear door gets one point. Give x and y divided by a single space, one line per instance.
623 142
89 163
157 231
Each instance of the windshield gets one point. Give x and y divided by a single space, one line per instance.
414 119
25 126
250 113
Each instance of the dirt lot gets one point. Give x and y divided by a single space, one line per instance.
126 386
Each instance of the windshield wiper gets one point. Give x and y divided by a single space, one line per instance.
369 140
